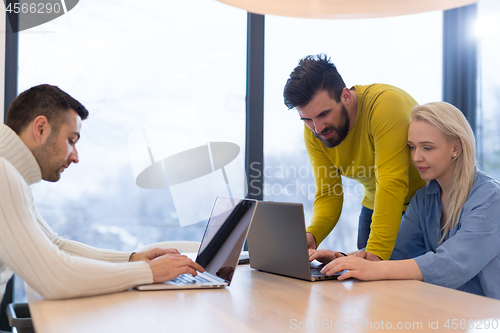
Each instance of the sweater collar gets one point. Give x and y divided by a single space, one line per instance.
13 149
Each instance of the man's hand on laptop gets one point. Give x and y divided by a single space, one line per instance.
151 254
324 256
366 255
311 241
170 266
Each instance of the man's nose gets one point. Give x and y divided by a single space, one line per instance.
318 126
73 157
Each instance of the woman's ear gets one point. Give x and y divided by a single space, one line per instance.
457 149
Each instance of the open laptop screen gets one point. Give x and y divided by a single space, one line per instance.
224 236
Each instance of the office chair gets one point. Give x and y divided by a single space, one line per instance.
7 298
15 314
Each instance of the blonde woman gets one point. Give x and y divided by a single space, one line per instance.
450 233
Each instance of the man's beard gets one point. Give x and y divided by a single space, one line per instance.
340 132
44 155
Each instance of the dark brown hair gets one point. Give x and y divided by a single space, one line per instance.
42 100
314 73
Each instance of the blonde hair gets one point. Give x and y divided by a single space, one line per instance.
452 123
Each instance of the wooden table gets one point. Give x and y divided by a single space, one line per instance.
262 302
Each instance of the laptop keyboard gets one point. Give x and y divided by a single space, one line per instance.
188 278
316 272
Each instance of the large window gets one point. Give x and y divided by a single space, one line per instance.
488 138
134 66
403 51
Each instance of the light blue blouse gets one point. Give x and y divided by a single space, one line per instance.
469 258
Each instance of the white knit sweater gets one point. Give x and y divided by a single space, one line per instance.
55 267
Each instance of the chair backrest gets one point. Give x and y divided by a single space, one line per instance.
7 298
183 246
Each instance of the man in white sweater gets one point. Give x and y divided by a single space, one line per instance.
38 141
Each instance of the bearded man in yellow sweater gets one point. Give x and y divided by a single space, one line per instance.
359 133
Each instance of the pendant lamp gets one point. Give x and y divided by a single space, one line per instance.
344 9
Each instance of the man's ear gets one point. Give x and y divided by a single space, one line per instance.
40 129
345 96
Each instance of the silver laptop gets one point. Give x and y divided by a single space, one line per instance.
277 242
220 247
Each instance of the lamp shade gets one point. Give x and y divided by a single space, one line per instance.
344 9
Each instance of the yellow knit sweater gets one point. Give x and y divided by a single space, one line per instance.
375 154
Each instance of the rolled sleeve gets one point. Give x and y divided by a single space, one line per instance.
472 245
